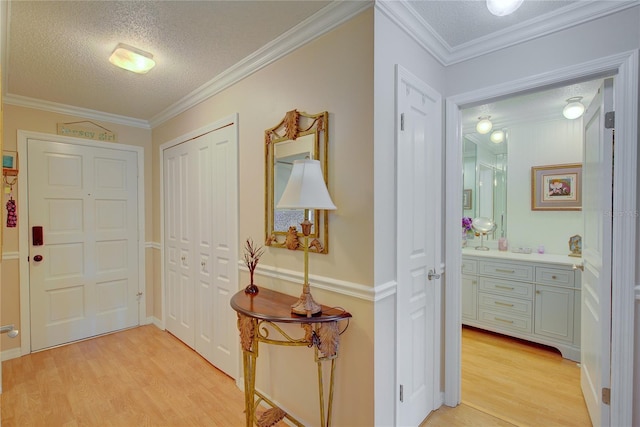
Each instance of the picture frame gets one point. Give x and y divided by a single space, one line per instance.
467 201
556 187
9 163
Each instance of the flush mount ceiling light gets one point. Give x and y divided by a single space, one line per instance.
484 125
503 7
132 59
574 108
497 136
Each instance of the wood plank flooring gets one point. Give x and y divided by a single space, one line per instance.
147 377
508 382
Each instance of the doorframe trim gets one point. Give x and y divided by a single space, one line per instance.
625 68
23 224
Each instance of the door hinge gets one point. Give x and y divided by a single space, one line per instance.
401 393
606 396
402 121
610 120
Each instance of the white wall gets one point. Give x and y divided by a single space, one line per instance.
392 46
538 144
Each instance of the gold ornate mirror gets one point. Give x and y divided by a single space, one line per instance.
298 136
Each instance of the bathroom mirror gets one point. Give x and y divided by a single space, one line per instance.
485 184
298 136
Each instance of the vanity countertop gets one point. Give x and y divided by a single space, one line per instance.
532 257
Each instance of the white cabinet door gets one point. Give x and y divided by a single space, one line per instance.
554 312
469 297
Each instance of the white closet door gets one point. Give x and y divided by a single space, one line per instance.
178 244
201 235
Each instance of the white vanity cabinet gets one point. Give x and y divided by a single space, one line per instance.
532 297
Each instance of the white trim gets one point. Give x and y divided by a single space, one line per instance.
637 290
625 66
565 17
23 223
153 245
342 287
311 28
12 353
6 256
40 104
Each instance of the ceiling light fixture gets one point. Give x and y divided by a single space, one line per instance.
497 136
574 108
132 59
503 7
484 125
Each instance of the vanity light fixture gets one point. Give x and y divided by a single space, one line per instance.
574 108
497 136
484 125
503 7
132 59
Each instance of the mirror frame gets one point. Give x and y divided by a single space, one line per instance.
294 125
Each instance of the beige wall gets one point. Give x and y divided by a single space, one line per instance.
332 73
28 119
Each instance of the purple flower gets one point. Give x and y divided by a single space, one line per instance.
466 223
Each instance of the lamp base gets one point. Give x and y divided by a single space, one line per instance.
306 306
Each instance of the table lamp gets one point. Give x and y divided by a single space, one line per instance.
306 189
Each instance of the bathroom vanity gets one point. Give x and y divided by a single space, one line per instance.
535 297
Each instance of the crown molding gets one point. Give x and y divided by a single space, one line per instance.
39 104
571 15
318 24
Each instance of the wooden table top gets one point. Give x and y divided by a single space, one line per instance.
275 306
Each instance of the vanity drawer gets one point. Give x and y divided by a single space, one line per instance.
506 287
555 276
469 266
504 320
513 306
510 271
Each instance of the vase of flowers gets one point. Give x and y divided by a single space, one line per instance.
467 230
252 254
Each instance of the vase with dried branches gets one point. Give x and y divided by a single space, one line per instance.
252 254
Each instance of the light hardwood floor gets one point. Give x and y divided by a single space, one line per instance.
509 382
147 377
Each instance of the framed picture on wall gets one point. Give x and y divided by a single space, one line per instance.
556 187
466 199
9 163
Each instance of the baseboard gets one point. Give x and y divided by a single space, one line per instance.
12 353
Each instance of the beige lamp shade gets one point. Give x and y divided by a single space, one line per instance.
306 188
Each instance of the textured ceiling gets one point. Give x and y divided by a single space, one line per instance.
56 51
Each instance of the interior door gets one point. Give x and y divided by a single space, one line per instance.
418 239
596 255
83 240
200 249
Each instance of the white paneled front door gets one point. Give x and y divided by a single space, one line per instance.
83 276
418 241
200 244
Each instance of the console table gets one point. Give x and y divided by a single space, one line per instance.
270 308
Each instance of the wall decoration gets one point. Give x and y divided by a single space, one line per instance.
467 202
556 187
9 163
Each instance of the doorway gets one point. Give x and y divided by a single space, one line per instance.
625 69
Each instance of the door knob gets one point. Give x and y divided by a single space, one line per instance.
578 267
37 258
432 275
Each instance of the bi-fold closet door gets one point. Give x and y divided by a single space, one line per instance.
200 252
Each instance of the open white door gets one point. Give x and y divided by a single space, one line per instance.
596 253
418 240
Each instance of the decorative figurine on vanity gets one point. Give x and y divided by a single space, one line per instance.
575 246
